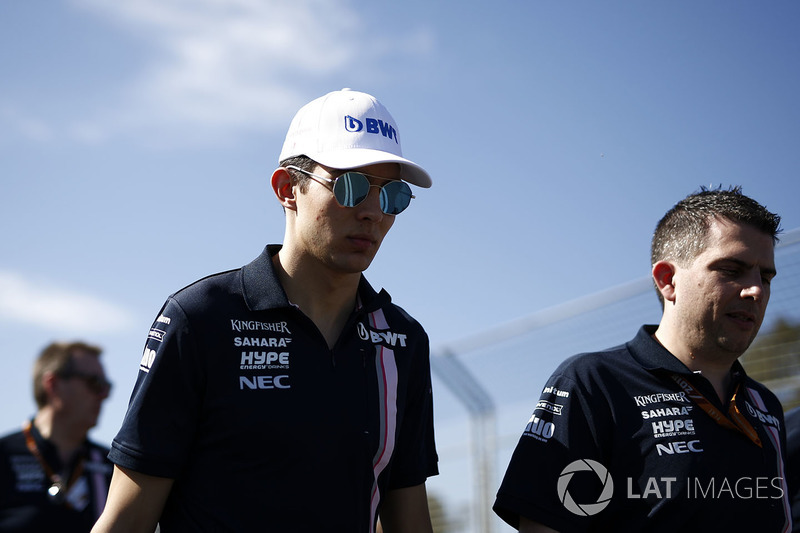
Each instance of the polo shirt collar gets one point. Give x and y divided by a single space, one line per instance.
649 353
263 290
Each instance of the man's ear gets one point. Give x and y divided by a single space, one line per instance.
664 277
49 381
283 188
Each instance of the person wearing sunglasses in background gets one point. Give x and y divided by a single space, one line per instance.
52 477
288 395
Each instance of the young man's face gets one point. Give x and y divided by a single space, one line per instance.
721 297
344 239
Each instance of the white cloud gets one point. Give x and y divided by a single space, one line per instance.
236 64
31 128
47 306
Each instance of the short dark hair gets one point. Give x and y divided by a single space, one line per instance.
680 235
300 161
57 358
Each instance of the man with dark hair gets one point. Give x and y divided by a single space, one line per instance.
288 395
667 432
52 478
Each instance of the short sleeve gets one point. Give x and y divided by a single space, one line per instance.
415 457
163 411
559 438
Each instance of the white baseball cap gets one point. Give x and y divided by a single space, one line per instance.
349 129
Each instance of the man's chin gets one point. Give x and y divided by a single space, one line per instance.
356 263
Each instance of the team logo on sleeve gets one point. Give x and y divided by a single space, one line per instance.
540 429
157 330
148 357
555 392
156 334
549 407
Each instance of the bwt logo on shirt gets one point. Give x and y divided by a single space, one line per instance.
373 125
764 418
388 338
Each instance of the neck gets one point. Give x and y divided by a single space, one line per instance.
720 379
715 370
326 298
61 433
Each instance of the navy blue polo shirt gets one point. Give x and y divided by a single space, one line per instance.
793 463
616 444
262 426
25 504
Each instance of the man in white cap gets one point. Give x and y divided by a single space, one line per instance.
288 395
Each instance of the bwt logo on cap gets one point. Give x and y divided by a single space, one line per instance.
375 126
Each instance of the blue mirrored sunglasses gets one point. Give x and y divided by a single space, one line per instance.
352 188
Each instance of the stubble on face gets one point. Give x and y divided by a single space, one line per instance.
343 239
722 296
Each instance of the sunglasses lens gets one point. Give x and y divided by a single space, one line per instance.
99 385
350 189
395 197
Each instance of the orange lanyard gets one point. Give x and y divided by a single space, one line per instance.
737 421
57 490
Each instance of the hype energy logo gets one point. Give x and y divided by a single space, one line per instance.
371 125
591 508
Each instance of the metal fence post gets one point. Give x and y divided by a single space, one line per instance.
481 410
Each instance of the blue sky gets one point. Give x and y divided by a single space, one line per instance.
137 138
